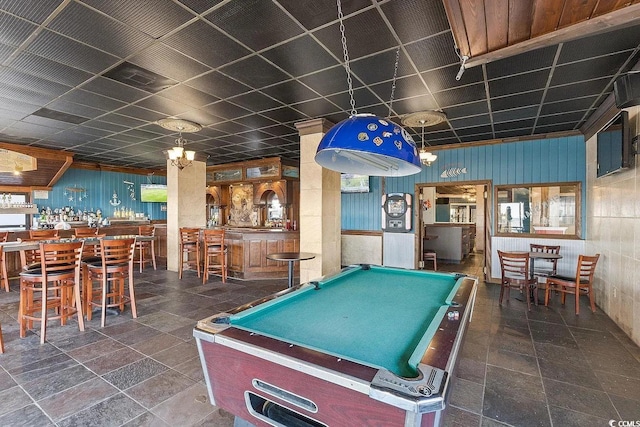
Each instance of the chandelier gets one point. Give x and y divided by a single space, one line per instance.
180 157
423 119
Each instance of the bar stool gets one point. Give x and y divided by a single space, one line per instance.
58 281
147 246
189 244
44 234
115 266
214 250
3 263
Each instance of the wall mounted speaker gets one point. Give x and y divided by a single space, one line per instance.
626 89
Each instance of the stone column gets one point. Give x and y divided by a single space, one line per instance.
320 221
186 205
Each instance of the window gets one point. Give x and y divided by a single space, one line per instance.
541 210
13 221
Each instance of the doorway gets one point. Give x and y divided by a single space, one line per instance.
454 222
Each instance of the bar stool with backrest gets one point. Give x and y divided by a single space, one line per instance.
189 244
215 253
514 267
58 282
44 234
146 249
114 268
580 284
3 262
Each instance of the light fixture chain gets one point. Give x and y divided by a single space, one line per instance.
345 53
395 75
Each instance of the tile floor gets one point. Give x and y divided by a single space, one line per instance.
546 367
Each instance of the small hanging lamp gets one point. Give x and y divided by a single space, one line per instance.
364 143
423 119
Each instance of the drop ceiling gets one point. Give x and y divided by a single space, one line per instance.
91 77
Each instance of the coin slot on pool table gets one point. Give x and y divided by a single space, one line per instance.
275 414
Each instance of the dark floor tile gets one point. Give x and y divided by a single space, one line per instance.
96 349
572 373
514 409
79 340
466 395
28 416
513 361
12 399
33 370
512 341
78 398
114 411
503 382
140 334
135 373
56 382
156 344
192 369
147 419
567 418
157 389
219 418
16 358
165 322
471 370
114 360
627 408
579 399
475 351
619 363
552 333
456 417
177 354
185 408
185 333
619 385
6 381
556 352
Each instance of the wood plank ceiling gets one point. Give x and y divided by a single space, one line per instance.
485 30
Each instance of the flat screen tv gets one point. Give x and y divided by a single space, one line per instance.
153 193
353 183
614 146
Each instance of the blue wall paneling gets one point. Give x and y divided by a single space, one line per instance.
100 187
523 162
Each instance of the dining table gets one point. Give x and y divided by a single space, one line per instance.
533 256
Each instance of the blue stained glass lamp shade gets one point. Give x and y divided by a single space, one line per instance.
368 145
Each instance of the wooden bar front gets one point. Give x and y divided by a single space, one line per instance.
247 251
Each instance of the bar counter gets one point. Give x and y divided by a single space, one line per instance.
121 228
247 250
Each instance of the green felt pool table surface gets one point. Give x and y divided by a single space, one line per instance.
376 316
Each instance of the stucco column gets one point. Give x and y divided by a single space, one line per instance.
320 221
186 205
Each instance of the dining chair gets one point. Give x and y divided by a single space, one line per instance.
429 255
215 254
514 267
3 262
57 279
189 244
146 249
84 232
114 268
580 284
545 267
44 234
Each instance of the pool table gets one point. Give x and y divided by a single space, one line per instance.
368 346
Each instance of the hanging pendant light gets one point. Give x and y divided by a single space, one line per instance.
364 143
423 119
180 157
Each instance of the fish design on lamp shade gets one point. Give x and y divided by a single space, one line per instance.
453 172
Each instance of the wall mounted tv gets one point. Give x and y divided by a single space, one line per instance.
614 146
353 183
153 193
